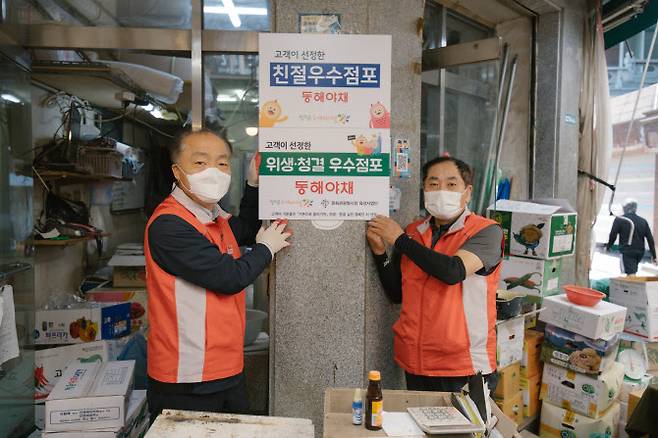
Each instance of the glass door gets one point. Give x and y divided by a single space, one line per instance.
459 92
16 261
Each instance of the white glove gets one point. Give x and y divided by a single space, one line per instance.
274 237
252 172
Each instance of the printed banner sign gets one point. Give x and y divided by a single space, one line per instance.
324 120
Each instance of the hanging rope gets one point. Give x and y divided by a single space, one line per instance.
630 124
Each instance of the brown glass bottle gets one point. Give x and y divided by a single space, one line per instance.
374 402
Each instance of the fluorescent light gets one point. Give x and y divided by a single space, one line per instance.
148 108
251 131
232 13
157 113
239 93
226 98
10 98
254 100
239 10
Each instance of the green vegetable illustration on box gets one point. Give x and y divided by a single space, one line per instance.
530 236
524 281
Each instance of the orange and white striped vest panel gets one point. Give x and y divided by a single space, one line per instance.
446 330
195 335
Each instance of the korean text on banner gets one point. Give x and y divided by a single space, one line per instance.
324 122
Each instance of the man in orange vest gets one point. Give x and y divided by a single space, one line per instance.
445 271
195 277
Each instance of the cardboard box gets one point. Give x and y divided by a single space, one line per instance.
581 393
629 385
578 353
530 276
633 399
137 298
530 388
622 430
124 276
652 356
85 323
129 267
602 321
542 229
509 341
338 411
90 396
50 364
531 360
136 418
509 382
640 296
557 422
513 407
40 416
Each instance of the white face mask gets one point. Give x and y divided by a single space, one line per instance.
443 204
209 185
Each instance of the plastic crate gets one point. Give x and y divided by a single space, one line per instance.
101 161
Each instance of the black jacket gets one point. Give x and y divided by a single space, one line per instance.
633 231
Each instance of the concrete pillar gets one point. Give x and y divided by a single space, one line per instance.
330 320
559 45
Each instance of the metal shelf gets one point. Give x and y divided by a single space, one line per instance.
13 268
66 177
66 242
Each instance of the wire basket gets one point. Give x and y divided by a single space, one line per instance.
101 161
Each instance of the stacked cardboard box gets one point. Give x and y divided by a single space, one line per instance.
580 383
531 369
508 393
129 266
81 322
137 298
538 234
640 296
96 399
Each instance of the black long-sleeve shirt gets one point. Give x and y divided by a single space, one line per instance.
450 269
179 249
632 230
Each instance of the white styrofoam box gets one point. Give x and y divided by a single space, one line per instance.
136 418
557 422
602 321
90 396
509 341
582 393
640 296
50 364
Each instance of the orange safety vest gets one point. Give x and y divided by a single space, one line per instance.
195 335
446 330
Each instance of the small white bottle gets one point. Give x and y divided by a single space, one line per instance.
357 408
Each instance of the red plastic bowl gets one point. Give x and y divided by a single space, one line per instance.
583 296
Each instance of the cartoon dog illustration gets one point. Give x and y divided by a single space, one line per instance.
270 114
379 116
